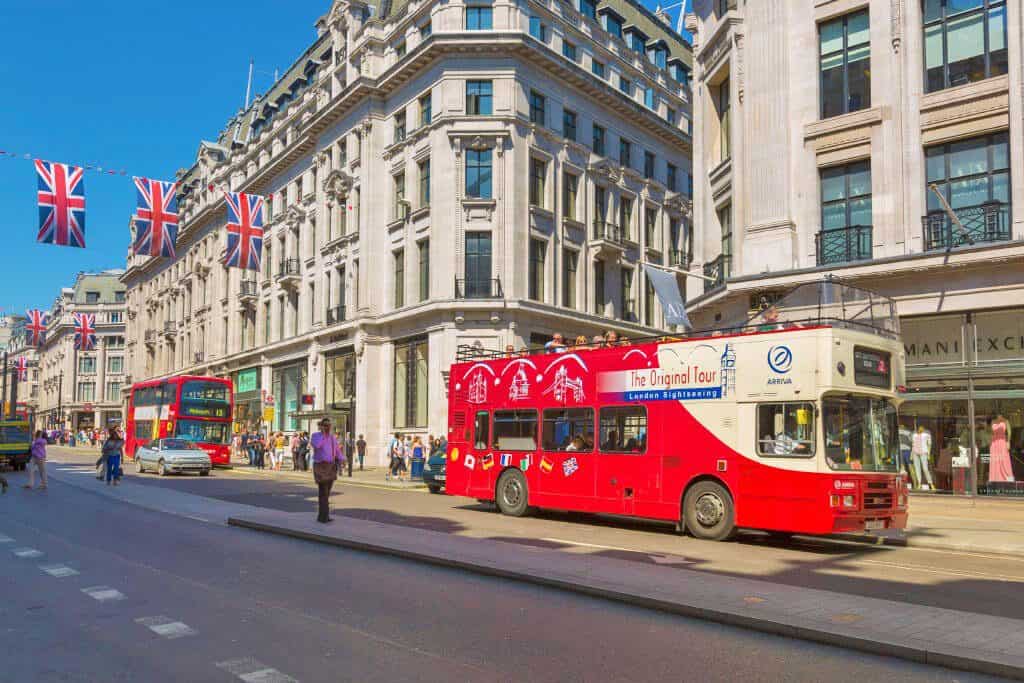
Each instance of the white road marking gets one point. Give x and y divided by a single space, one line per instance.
252 671
167 628
27 553
6 539
940 570
103 593
592 545
58 571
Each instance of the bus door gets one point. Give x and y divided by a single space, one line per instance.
479 439
567 464
623 459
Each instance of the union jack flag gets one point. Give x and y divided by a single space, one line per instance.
156 218
36 327
245 230
85 331
61 204
22 369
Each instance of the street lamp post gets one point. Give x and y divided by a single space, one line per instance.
60 397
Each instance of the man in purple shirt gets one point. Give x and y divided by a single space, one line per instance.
327 458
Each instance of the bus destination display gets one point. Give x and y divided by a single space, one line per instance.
871 368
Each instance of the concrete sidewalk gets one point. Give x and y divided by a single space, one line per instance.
943 637
370 476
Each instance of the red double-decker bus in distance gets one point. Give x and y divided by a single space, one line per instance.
197 409
784 421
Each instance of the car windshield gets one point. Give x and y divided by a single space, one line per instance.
860 433
198 431
176 445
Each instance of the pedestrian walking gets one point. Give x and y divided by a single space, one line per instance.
327 458
361 450
350 451
113 449
395 447
279 450
295 451
260 450
304 451
37 462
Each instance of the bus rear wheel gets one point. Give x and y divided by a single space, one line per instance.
708 511
512 493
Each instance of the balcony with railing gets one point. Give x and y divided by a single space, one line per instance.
843 245
677 258
988 222
170 328
718 270
478 288
335 315
289 273
608 236
150 337
248 291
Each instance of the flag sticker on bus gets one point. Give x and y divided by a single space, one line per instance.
545 464
469 461
570 466
506 459
487 461
524 464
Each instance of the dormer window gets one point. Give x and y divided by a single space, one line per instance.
613 25
636 40
679 72
658 56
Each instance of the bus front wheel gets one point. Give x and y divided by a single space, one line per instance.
512 496
708 511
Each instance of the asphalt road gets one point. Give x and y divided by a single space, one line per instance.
99 590
975 582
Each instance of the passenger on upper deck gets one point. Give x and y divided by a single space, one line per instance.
556 345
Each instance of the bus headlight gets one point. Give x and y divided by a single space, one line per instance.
849 501
845 501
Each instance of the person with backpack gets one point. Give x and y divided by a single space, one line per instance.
395 452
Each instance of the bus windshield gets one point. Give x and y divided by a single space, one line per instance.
14 434
202 432
860 433
205 399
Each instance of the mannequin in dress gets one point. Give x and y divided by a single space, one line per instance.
1000 469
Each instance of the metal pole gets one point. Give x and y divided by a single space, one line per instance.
972 483
60 404
3 397
952 215
14 396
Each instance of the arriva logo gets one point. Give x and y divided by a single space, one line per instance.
780 359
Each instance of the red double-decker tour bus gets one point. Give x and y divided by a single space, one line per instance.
197 409
785 422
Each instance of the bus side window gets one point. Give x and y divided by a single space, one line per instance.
515 430
568 429
481 429
785 429
624 429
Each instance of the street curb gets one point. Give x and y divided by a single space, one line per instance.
933 654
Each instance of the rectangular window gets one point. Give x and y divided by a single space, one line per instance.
538 30
974 177
624 429
597 139
649 161
613 25
600 203
87 365
92 297
119 297
679 73
785 429
515 430
845 54
964 41
626 295
538 172
424 253
340 379
481 430
538 252
670 116
478 98
116 316
401 206
113 394
625 152
569 51
426 109
637 43
569 124
426 30
479 18
670 177
725 224
570 185
599 287
570 264
537 104
411 383
478 173
400 50
478 265
400 126
424 170
650 226
658 57
399 294
588 8
626 217
87 391
723 107
568 429
115 365
597 68
649 98
845 213
872 368
626 86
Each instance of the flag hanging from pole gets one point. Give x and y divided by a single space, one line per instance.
245 230
36 327
22 369
667 288
156 218
61 200
85 331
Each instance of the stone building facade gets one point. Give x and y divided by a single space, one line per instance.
16 345
83 389
821 129
437 175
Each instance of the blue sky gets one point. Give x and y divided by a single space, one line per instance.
126 85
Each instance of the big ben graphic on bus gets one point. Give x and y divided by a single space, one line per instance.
728 371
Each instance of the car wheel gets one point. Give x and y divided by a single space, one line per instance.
204 473
512 493
708 511
161 468
434 488
138 465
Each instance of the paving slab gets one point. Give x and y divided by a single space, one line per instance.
850 621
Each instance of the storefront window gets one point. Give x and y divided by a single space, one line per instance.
341 379
288 386
411 384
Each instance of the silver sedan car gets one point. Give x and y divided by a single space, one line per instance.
166 456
